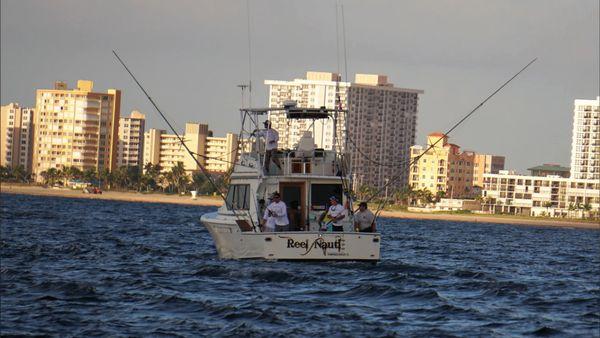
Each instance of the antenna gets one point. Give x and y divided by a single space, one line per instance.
249 55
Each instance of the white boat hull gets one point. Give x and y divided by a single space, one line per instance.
232 243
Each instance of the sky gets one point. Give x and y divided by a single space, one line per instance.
191 56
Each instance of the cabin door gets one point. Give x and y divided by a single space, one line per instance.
292 193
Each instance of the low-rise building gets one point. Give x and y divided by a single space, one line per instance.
445 168
508 192
550 169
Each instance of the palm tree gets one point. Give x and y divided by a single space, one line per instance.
89 175
179 177
587 207
105 178
50 176
439 195
547 205
20 174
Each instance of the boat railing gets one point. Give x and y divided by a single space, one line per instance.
318 162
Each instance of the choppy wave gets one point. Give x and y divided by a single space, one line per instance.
88 267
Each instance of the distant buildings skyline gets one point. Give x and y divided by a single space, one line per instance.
589 127
554 194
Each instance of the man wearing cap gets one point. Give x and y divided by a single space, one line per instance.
276 215
336 212
364 220
271 138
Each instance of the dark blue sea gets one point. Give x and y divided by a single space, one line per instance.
75 267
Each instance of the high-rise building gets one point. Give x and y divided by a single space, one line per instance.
221 153
131 140
444 168
16 136
585 148
317 90
381 122
76 127
167 150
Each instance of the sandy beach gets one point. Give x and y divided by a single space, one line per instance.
111 195
217 201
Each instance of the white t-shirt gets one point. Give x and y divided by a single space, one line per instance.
336 211
364 219
271 138
278 214
270 222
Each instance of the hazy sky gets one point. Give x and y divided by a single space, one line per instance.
191 55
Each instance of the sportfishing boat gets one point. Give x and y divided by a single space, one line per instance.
306 181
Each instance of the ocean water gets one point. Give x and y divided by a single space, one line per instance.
85 267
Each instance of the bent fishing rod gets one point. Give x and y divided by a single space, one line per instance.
181 141
416 159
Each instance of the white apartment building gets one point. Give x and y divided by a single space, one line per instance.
317 90
585 148
131 140
221 153
381 122
556 196
16 136
577 196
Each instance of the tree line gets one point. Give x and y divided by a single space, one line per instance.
123 178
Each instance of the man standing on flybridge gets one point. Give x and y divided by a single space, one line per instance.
271 138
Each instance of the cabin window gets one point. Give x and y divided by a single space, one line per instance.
320 194
238 197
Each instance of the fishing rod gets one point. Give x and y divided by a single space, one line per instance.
416 159
182 142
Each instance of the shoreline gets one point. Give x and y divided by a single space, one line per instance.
7 188
124 196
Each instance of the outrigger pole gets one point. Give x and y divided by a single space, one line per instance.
446 133
202 168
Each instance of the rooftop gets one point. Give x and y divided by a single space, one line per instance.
550 167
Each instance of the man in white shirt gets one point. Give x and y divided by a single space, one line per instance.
336 212
364 220
271 138
276 215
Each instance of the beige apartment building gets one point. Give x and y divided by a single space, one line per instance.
507 192
221 153
76 127
16 136
131 140
444 168
585 147
166 149
381 122
485 164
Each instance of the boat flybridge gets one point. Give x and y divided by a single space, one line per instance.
307 179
